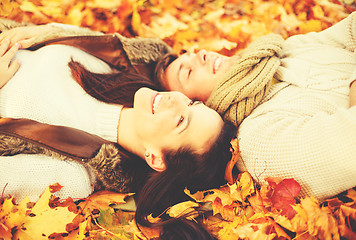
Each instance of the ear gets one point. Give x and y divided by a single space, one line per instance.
155 161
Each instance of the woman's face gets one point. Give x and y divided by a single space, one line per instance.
196 75
170 120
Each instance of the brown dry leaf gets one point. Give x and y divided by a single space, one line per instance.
236 154
102 200
227 212
79 234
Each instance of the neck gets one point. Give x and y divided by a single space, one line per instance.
127 137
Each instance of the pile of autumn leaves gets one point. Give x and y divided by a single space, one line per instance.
236 211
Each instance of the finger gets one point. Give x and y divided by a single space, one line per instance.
27 42
10 54
4 46
15 38
8 34
12 36
14 66
2 36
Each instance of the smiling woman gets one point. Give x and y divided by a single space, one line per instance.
166 141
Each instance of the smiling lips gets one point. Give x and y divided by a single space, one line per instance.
155 102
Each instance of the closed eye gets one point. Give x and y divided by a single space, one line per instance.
193 103
189 72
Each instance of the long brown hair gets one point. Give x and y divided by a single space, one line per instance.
114 87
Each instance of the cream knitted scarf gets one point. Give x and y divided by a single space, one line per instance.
242 89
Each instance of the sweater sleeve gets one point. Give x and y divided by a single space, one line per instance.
341 35
290 140
54 30
30 174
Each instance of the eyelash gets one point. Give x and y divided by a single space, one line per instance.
181 119
191 103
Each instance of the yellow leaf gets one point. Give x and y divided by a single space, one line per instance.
212 16
44 220
254 231
318 11
183 208
246 185
106 4
27 6
227 212
43 202
136 19
18 214
7 206
235 192
8 7
45 223
82 230
310 26
75 14
167 25
217 44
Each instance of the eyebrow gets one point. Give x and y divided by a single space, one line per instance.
178 73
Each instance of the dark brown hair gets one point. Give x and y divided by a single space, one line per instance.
185 169
114 87
161 67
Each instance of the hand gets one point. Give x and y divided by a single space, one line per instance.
8 67
25 36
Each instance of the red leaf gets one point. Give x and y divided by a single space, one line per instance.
284 195
55 187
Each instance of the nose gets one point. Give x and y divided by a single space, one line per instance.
202 55
172 103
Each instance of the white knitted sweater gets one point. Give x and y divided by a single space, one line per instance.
43 90
304 129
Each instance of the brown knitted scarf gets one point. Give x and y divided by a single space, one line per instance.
242 89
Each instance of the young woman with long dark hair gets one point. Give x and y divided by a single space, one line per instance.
184 143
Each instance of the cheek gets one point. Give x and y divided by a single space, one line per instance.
152 129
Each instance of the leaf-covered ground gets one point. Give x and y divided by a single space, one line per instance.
239 210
